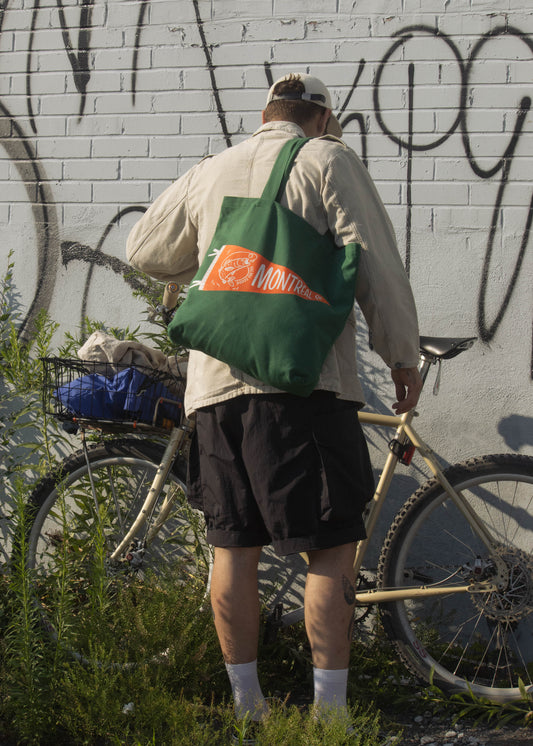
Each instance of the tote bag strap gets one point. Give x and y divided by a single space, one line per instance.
280 173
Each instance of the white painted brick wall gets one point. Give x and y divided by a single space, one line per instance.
108 149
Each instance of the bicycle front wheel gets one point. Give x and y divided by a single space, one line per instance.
477 641
123 610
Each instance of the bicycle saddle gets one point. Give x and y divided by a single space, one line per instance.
445 348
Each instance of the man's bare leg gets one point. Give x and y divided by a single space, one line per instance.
329 606
235 603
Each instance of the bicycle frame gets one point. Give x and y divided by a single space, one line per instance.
176 438
451 582
405 433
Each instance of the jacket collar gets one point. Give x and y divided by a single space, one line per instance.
290 127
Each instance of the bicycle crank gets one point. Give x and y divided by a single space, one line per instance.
360 613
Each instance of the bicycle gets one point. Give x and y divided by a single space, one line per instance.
454 581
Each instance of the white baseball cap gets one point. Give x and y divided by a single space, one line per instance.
315 91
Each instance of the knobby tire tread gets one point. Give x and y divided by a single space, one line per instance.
485 466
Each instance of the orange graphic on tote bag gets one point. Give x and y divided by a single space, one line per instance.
241 270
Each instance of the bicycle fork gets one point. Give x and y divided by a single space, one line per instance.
175 440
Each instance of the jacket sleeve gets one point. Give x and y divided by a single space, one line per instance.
163 243
383 292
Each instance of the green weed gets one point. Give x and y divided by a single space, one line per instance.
479 710
178 692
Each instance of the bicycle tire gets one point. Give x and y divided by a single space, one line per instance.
469 642
123 612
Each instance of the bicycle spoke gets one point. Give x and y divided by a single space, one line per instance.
483 639
130 604
464 645
116 502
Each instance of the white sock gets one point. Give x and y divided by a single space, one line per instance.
247 695
330 690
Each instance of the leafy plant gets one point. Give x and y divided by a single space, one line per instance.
478 709
25 430
27 675
47 696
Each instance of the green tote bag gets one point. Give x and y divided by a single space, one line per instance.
272 294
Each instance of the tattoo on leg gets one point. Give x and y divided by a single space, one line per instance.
349 591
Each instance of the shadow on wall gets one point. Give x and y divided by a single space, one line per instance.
517 431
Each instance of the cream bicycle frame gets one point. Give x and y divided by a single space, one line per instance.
404 432
176 438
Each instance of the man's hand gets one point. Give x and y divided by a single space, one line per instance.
408 384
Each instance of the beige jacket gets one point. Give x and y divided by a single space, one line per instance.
330 188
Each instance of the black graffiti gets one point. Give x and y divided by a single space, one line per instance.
20 148
74 251
486 329
355 116
3 8
29 103
211 68
79 57
140 23
409 145
106 261
79 61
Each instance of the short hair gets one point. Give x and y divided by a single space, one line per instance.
300 112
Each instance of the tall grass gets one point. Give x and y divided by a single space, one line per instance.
47 696
25 450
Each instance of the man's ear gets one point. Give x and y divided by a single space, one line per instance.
263 120
325 119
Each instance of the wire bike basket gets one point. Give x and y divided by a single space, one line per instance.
112 396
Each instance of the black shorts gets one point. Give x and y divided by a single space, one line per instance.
281 469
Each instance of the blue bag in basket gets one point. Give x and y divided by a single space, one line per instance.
124 396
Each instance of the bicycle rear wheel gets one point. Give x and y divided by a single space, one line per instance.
481 642
125 610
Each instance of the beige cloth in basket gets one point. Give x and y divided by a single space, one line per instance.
104 348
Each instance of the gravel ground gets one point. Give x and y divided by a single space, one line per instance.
430 731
